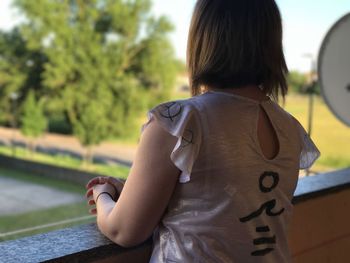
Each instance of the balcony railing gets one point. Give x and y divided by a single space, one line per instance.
320 231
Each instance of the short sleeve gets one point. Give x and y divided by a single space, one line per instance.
309 152
180 119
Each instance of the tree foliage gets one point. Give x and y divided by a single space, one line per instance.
33 120
297 81
98 62
20 71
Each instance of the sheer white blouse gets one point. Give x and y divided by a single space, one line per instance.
231 204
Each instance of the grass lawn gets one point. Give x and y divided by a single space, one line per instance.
40 180
11 223
68 161
330 135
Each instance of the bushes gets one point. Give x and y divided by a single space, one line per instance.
298 83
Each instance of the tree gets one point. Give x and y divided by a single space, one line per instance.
106 61
297 81
33 121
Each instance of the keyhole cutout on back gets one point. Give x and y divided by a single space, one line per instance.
267 137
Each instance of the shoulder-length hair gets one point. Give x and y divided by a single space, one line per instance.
235 43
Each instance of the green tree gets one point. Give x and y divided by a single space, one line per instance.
297 81
106 61
33 121
20 71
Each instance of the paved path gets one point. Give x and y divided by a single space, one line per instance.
55 143
17 197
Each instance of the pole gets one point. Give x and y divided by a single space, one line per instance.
14 97
311 91
311 108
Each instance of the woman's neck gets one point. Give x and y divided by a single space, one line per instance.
250 91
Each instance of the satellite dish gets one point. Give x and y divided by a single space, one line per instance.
334 69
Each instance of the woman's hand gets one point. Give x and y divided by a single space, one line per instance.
116 183
94 192
98 185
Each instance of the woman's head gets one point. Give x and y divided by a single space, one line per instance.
235 43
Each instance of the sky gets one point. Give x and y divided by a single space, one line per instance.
305 24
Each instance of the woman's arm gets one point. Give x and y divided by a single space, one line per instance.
146 193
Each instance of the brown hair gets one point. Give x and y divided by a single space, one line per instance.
235 43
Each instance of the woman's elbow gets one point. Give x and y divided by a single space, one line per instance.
127 239
123 237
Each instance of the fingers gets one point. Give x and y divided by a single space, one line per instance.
112 184
91 202
118 185
93 211
112 180
89 193
96 180
93 181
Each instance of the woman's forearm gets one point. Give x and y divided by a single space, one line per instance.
110 225
104 207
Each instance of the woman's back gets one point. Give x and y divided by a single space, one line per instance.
235 204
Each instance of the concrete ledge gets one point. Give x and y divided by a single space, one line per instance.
321 184
79 244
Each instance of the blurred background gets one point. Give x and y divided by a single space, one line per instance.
78 77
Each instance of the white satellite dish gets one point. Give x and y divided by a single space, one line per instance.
334 69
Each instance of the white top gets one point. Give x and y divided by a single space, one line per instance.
231 203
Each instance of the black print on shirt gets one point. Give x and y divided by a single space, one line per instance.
187 138
269 208
172 110
275 180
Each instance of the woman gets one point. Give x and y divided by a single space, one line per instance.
214 175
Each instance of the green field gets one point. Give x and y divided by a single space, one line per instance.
330 135
68 162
